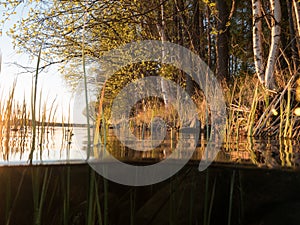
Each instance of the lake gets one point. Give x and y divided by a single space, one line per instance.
250 182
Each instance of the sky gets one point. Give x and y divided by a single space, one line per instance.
51 82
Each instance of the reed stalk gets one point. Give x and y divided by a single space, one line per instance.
39 115
105 184
287 112
86 90
100 117
230 119
9 205
50 114
91 196
281 117
192 197
24 125
241 195
231 197
206 207
171 202
33 105
132 206
251 116
8 198
39 192
7 120
42 130
288 149
238 119
69 134
66 196
63 132
211 201
98 205
290 129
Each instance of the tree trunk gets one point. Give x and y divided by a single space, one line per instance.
257 39
161 31
275 40
182 33
198 30
222 41
293 35
296 6
209 55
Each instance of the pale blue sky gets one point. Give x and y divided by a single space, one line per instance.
51 82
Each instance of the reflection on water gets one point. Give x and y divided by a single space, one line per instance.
245 152
63 144
53 144
282 153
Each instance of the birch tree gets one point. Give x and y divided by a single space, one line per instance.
296 9
266 73
275 41
161 31
257 39
296 6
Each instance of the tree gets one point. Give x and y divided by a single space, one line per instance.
219 34
275 41
296 7
266 73
222 70
292 35
257 39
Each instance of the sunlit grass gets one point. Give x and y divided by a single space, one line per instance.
255 111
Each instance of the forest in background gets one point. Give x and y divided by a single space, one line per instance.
252 46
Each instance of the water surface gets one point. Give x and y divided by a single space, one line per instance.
69 145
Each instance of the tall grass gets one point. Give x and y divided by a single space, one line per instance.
251 117
7 120
13 118
255 111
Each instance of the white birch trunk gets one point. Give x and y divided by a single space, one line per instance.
161 30
275 40
257 39
296 6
